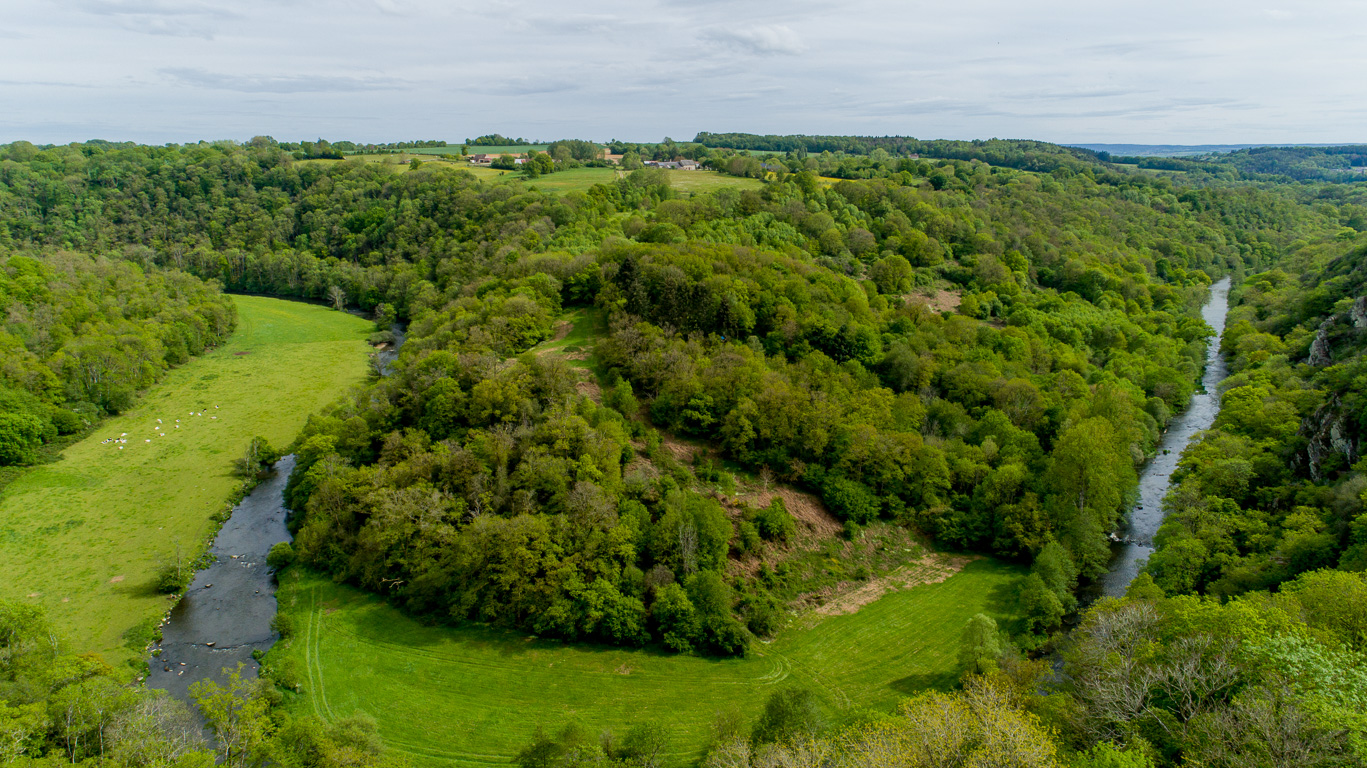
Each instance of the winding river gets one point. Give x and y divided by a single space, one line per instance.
227 610
1155 480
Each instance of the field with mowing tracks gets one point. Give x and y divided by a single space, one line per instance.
474 695
84 536
575 179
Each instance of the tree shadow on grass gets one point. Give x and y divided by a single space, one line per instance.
912 685
1004 605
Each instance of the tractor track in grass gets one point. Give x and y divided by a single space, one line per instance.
472 695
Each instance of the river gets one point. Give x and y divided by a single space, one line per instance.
1155 479
227 610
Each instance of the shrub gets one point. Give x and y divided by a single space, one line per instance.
20 436
774 523
788 714
281 556
748 538
850 500
174 576
284 624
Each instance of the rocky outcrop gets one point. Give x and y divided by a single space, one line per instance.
1321 349
1320 354
1358 314
1327 433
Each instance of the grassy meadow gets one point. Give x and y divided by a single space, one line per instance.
474 695
84 536
575 179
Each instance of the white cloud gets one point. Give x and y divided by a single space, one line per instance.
760 40
1161 71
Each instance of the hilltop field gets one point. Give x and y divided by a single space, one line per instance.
576 179
85 535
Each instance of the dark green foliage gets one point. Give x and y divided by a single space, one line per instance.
281 556
850 500
83 335
789 713
256 459
773 521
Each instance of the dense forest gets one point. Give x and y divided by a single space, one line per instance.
981 345
1276 488
1338 164
81 335
783 325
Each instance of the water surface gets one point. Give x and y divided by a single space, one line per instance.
227 610
1155 480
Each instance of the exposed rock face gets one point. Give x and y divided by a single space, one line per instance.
1320 354
1358 313
1327 432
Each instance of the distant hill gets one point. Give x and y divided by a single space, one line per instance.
1183 150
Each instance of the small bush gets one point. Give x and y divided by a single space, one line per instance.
173 577
774 523
284 624
281 556
748 539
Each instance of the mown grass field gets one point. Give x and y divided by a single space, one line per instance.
454 149
84 536
575 179
474 695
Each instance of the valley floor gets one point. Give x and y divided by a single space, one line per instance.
474 695
85 535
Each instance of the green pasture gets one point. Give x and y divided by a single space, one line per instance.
474 695
575 179
512 149
84 536
581 179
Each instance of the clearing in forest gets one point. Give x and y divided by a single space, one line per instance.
474 695
85 535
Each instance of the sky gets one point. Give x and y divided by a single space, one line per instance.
1159 71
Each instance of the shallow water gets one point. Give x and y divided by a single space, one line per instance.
1155 480
227 610
388 356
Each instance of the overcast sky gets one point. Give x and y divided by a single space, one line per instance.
1159 71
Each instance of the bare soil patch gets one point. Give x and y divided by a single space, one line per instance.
931 568
590 389
804 507
681 451
940 301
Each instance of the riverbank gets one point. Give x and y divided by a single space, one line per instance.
1156 477
85 536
